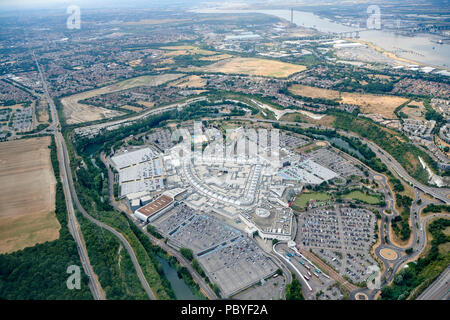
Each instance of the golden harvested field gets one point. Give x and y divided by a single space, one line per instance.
253 67
383 105
164 62
27 194
415 110
134 63
131 108
147 104
75 112
380 76
189 82
185 50
216 58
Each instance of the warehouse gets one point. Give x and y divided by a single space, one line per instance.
154 209
139 171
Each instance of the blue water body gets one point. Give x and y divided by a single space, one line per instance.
181 289
341 143
421 48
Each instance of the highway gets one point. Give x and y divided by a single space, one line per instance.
53 111
419 240
438 193
210 294
439 289
399 263
94 284
118 235
441 194
71 195
143 115
418 244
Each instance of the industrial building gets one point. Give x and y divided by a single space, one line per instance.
152 210
139 170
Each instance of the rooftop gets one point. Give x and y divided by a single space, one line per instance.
155 206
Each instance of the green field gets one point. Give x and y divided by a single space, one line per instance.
359 195
303 199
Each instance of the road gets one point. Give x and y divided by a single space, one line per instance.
142 115
294 268
438 193
210 294
392 267
118 235
71 196
53 111
74 228
419 241
439 289
94 284
421 246
333 274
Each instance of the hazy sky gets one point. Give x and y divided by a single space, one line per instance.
56 4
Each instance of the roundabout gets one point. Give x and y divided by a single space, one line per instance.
388 254
361 296
378 178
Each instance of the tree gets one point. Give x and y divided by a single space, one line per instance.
187 253
294 290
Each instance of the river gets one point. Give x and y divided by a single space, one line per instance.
181 289
420 48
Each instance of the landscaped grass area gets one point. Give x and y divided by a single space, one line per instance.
359 195
303 199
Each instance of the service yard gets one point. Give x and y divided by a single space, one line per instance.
27 194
